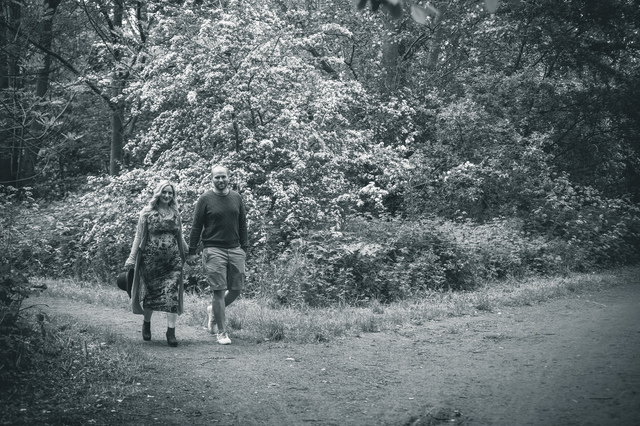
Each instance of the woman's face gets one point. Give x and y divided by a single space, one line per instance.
166 195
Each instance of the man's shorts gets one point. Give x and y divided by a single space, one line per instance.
224 267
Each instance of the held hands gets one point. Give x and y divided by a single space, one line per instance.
192 259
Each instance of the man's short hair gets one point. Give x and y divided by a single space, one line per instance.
219 166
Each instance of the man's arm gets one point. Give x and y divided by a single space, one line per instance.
242 227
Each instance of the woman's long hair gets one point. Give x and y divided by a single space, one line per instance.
153 202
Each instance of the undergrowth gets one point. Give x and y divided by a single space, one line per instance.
57 368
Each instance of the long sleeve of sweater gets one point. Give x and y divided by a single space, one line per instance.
243 232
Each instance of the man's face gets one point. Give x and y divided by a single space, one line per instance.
220 178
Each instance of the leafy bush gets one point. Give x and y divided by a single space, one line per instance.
585 228
497 248
383 260
14 288
18 254
19 248
484 180
390 260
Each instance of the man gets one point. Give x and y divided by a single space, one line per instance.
220 221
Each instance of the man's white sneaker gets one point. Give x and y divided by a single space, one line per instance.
211 323
223 339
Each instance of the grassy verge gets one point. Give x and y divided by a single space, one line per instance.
59 369
265 320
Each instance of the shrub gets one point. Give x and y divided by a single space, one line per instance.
497 249
20 247
585 228
390 260
381 260
18 253
14 288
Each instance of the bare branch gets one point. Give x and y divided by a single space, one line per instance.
62 61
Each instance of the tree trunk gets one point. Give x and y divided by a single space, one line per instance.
390 59
117 114
435 43
117 138
10 79
32 145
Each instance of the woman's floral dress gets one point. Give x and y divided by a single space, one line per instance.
161 264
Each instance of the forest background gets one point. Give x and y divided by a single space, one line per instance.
379 158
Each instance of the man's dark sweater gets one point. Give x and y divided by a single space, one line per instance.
220 221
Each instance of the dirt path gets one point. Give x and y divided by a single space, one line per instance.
566 362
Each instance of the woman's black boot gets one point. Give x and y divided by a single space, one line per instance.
146 330
171 337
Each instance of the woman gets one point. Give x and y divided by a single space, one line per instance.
158 255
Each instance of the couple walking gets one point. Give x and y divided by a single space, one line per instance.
159 252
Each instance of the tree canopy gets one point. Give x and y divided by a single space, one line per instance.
325 110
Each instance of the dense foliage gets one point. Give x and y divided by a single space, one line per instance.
378 158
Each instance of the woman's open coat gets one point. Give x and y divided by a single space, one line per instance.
137 248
